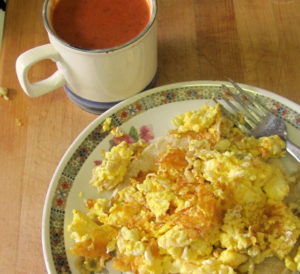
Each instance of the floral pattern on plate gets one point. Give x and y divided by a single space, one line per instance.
143 103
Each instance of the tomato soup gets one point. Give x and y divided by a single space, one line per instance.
99 24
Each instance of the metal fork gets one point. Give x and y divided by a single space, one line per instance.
258 121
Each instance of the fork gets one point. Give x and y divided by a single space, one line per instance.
257 121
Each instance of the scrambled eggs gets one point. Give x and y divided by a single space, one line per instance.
211 200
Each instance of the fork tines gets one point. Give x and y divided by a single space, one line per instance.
245 111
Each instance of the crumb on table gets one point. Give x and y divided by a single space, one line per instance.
4 93
18 122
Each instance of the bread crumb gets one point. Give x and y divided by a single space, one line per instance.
4 93
18 122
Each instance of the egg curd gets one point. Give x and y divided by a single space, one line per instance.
205 198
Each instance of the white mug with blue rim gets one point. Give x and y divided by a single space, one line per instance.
93 79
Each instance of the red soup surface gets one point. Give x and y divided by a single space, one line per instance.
99 24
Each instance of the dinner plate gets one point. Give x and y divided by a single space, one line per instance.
145 116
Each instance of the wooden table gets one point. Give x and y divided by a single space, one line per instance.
251 41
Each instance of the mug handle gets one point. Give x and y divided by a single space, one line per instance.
26 60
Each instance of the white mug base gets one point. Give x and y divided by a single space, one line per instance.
98 107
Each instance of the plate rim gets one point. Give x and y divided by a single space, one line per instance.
45 230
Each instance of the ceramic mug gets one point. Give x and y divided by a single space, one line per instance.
93 79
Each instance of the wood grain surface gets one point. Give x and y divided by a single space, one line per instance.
251 41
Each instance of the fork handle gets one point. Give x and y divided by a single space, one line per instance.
293 149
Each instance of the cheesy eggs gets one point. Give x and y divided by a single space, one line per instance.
211 200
